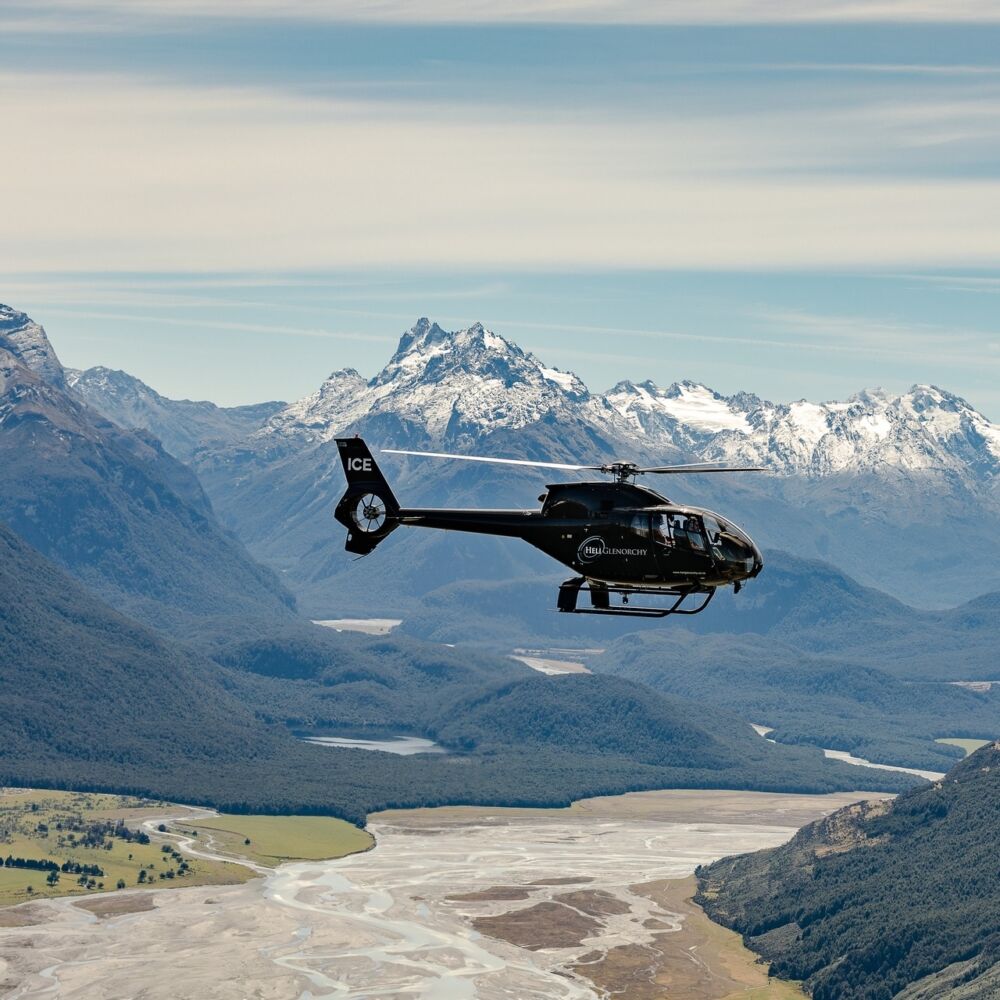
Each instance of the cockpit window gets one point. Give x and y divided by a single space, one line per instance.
640 525
712 528
662 534
686 532
679 531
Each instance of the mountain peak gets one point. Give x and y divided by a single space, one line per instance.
425 338
455 385
427 352
26 341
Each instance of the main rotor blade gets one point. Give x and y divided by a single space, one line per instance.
668 470
499 461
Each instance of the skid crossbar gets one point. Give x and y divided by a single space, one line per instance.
601 604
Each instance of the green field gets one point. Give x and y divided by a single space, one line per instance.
275 839
969 746
99 830
54 826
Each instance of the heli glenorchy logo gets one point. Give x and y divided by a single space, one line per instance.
595 547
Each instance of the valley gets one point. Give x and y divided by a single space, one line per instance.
434 911
509 761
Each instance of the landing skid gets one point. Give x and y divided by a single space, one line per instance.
600 599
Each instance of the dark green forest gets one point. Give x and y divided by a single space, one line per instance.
877 896
120 514
811 699
802 604
92 700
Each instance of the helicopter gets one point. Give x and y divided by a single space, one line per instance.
619 538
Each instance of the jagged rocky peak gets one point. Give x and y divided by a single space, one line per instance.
454 384
25 339
429 353
474 360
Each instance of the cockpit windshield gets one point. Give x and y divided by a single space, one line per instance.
725 528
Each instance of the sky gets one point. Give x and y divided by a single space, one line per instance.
232 199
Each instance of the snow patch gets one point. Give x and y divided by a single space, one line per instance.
567 380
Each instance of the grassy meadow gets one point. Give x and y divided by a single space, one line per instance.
104 836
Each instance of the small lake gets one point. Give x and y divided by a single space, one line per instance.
404 746
368 626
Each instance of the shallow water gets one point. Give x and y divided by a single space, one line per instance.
404 746
382 924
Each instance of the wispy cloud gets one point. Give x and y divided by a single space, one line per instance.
881 69
956 282
114 173
531 11
201 323
879 337
782 331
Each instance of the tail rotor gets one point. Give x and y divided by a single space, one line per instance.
368 509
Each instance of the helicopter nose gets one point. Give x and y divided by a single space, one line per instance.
752 560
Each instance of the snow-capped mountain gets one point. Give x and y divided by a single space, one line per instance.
926 429
183 425
456 386
23 338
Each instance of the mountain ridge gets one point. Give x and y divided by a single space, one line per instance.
860 483
113 508
885 899
184 426
460 384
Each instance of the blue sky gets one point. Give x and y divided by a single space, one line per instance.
231 200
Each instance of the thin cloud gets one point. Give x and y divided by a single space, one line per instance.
878 337
640 12
113 174
956 282
903 69
229 327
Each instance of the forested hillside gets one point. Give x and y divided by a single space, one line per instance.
820 700
879 900
111 506
91 699
82 686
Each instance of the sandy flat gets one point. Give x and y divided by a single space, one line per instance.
387 923
117 904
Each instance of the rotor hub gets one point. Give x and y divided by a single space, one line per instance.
622 471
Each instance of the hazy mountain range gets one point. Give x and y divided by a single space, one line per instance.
900 491
145 647
175 664
109 504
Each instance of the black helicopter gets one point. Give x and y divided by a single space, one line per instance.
619 537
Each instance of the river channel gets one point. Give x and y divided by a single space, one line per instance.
400 920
